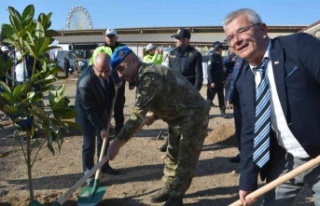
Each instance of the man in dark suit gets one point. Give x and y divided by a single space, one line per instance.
293 74
95 91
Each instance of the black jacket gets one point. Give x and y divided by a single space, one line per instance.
189 63
93 101
215 69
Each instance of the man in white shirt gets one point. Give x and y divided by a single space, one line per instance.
291 82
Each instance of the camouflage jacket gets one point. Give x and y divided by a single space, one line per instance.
166 93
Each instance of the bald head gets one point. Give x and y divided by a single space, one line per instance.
101 65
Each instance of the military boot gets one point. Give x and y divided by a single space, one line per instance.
161 195
174 202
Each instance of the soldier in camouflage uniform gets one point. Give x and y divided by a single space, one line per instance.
170 97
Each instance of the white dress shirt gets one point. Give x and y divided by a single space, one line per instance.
278 121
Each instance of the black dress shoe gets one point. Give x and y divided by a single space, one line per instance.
107 169
210 102
174 202
224 115
235 159
160 196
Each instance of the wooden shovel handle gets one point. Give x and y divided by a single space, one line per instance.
80 182
105 142
266 188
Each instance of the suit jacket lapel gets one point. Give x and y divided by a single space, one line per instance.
279 74
249 87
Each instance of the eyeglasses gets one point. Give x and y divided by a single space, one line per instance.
240 32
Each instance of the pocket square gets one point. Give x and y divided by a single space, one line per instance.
292 71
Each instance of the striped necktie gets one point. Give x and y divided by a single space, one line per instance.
261 146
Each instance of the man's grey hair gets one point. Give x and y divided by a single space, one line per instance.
251 14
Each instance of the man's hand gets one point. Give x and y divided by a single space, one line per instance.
234 59
229 105
149 118
104 134
212 85
246 201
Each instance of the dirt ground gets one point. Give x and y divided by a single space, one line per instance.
140 163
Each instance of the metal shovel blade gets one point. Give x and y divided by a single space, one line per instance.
89 198
35 203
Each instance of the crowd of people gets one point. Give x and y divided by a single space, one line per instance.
269 132
272 85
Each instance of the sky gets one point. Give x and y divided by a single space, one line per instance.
166 13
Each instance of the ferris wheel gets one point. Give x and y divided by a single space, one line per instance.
78 19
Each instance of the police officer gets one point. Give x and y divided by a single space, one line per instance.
170 97
216 77
186 59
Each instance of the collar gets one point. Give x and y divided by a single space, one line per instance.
266 54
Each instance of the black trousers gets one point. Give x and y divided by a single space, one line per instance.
211 92
118 108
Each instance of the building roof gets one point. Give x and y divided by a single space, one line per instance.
202 35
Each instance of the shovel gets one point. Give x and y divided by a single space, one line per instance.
286 177
90 196
78 184
88 190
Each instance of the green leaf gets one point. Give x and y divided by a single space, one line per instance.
15 14
39 31
15 22
51 33
73 124
28 13
18 91
8 33
65 113
43 47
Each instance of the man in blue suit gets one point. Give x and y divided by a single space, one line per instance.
293 74
232 102
95 91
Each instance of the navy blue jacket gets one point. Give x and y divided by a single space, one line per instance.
232 94
296 67
229 64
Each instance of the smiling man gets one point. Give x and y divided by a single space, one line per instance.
170 97
279 90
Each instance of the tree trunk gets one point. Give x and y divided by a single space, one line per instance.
29 165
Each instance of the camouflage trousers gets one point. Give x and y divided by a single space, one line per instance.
184 146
